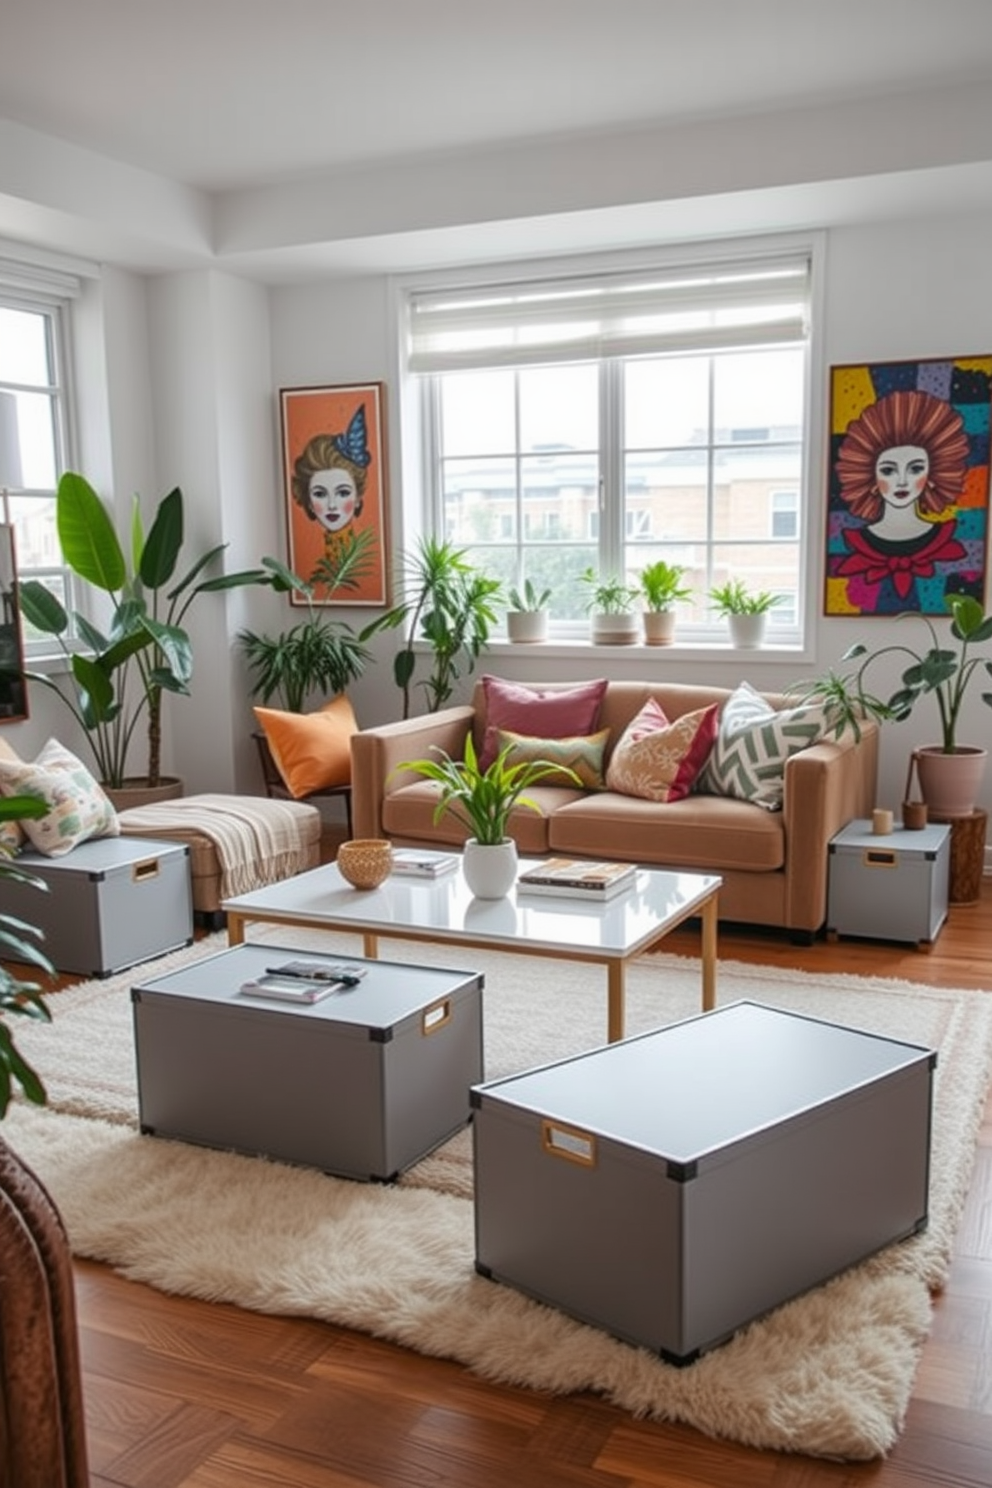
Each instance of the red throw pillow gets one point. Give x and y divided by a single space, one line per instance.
541 712
658 760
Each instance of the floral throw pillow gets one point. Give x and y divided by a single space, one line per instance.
77 807
660 761
752 746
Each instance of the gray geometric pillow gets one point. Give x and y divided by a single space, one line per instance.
752 745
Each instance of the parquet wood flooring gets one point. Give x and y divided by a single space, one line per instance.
188 1394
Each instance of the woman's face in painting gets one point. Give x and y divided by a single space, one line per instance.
901 474
333 498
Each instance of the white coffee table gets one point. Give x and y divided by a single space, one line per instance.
443 911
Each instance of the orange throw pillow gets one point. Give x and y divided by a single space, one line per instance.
311 750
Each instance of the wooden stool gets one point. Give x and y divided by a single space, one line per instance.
967 857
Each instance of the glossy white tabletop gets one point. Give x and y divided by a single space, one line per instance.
444 907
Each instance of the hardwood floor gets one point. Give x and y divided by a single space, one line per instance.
187 1394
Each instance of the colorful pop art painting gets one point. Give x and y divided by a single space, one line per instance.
908 494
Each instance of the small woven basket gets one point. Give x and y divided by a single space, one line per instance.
365 862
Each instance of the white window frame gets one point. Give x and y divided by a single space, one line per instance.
45 288
418 426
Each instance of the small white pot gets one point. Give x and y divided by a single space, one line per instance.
527 626
490 872
614 630
659 627
747 631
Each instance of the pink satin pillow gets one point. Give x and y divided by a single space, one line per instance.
540 712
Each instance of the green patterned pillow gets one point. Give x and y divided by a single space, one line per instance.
583 753
752 745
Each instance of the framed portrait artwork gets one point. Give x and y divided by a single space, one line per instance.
13 684
333 443
908 485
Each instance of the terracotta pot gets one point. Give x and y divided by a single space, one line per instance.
137 793
949 783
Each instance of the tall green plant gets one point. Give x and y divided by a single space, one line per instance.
450 605
145 651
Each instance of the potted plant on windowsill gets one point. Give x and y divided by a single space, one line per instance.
482 801
145 651
745 610
950 773
662 588
611 609
527 615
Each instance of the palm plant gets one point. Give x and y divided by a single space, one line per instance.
610 595
145 651
661 585
318 653
449 604
734 598
483 799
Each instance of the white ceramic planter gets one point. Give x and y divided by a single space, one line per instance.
527 626
659 627
614 630
747 631
490 872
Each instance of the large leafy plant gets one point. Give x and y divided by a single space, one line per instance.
483 799
938 671
19 943
118 681
450 605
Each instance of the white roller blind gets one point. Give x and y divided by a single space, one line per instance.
698 307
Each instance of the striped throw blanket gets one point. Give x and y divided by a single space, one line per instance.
258 841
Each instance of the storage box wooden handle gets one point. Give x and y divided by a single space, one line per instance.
568 1142
435 1017
147 869
879 857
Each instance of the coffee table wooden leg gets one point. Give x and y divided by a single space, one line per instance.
616 993
370 947
235 929
709 954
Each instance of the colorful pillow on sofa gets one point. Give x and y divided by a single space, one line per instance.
660 761
752 745
78 809
582 753
312 751
538 712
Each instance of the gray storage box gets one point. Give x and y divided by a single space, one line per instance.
361 1084
671 1187
891 887
110 903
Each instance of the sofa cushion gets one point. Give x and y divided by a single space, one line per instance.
540 712
658 760
311 750
707 834
582 753
78 809
752 745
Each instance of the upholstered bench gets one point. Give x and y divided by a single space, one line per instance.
236 843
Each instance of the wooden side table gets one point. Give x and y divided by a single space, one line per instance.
967 857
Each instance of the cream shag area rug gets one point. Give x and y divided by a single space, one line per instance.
829 1374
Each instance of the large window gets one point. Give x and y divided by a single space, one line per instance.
611 421
33 421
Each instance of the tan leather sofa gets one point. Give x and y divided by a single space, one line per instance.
773 863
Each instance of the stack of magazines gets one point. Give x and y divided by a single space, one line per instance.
578 878
421 862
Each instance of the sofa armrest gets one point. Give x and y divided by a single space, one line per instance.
826 786
376 752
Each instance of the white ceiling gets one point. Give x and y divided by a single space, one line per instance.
226 103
